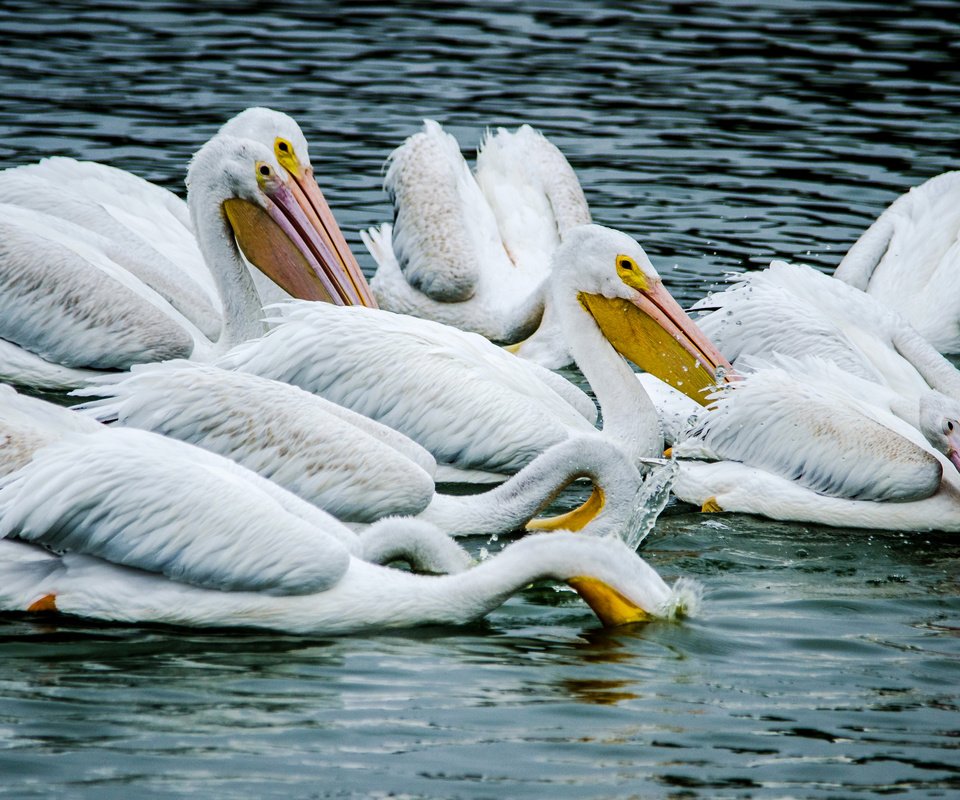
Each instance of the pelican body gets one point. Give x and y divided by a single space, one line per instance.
473 250
138 540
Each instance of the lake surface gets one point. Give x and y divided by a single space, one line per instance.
825 663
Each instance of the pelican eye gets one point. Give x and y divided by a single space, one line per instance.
283 147
630 273
949 426
265 169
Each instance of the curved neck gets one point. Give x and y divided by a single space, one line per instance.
242 311
511 505
629 416
396 598
939 373
525 318
423 547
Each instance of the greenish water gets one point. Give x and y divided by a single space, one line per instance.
825 664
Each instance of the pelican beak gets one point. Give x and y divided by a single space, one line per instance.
575 520
657 335
610 606
953 453
305 189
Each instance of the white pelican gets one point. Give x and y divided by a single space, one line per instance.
28 424
793 440
796 311
354 468
148 231
909 259
68 308
473 251
149 529
787 449
476 407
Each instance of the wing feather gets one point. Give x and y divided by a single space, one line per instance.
776 421
134 498
467 401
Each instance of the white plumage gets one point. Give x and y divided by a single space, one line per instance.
792 431
94 286
909 259
795 311
475 407
474 251
345 463
142 227
146 544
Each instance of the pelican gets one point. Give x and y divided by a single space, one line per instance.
451 391
909 259
148 231
473 251
69 309
137 539
795 311
28 424
793 439
475 407
347 464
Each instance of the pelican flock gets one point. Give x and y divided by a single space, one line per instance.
262 436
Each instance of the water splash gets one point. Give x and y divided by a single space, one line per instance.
651 498
684 601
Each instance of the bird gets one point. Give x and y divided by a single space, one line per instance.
480 411
796 311
793 439
120 526
345 463
909 259
147 229
28 424
70 310
473 250
372 359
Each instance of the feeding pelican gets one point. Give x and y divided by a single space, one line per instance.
795 311
473 250
354 468
152 547
28 424
909 259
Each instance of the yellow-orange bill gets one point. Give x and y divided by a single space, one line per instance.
657 335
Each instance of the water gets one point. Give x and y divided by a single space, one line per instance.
825 663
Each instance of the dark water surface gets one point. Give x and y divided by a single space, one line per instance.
825 664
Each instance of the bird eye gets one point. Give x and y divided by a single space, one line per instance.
626 263
264 169
949 426
283 147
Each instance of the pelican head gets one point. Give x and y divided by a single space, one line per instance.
253 195
281 133
614 281
940 424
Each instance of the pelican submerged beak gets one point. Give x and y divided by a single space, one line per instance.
657 335
304 186
286 241
610 606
